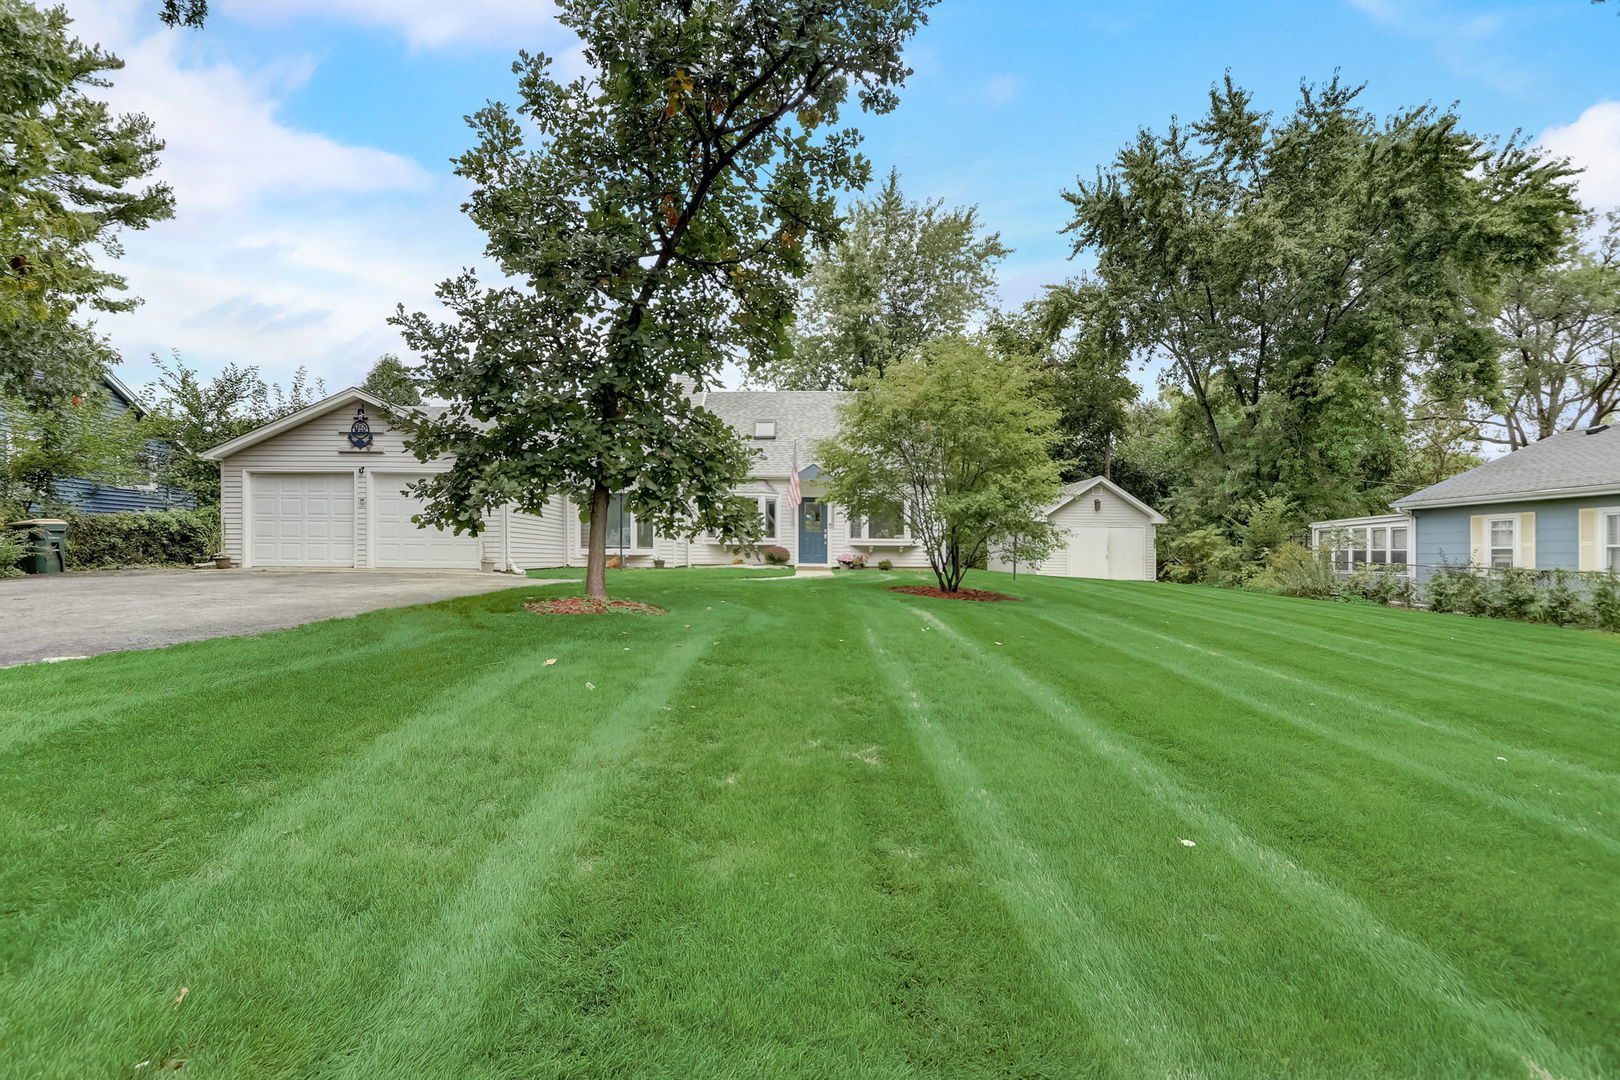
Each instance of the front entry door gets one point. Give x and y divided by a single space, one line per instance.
813 533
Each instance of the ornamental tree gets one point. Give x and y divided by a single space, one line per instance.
71 175
961 440
653 231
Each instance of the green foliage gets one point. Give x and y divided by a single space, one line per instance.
1084 369
67 169
146 538
191 415
1300 275
1563 604
1605 600
885 564
901 274
1204 557
192 13
80 437
655 232
1267 525
1556 332
962 441
392 381
776 555
1454 589
12 545
1293 569
1513 594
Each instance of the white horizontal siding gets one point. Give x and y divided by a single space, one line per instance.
1097 508
537 540
319 445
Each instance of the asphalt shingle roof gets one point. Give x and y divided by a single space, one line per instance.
1572 462
803 418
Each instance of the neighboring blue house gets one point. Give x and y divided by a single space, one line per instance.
92 498
1553 505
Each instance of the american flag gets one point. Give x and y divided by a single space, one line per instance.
795 496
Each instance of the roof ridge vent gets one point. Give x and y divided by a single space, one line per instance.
1595 428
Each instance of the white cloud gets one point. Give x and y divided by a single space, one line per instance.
425 24
289 247
1592 143
1001 90
1472 43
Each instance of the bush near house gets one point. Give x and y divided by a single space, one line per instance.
776 555
147 538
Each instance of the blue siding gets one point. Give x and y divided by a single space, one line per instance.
1443 533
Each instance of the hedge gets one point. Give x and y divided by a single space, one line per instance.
144 538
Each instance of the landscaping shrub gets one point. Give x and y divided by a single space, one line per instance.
1512 594
776 555
1381 585
1205 557
1563 604
1605 591
12 546
146 538
1295 570
1454 588
851 560
885 565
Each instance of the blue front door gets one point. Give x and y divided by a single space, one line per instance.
813 533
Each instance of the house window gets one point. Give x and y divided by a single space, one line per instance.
1367 545
625 531
1503 542
1611 541
886 523
767 515
764 429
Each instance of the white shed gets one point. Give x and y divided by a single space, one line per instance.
1106 533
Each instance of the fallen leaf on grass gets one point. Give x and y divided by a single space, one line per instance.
590 686
1188 843
181 996
548 663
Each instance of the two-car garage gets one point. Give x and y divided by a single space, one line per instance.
314 519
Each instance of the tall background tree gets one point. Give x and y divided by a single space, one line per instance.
1559 338
1295 276
900 274
655 232
392 381
189 414
959 441
71 174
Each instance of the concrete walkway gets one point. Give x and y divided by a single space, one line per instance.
58 616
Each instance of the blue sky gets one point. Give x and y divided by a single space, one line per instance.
309 139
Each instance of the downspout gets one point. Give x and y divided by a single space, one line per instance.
506 539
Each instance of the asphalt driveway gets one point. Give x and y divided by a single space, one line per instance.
71 615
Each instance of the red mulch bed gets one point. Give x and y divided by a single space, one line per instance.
986 595
584 605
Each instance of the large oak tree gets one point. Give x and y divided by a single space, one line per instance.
652 231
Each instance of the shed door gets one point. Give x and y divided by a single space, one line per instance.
400 542
301 519
1107 552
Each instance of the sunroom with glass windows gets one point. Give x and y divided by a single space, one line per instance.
1354 543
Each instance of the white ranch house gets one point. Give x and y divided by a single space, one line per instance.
300 492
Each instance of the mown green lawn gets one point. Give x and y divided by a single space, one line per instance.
818 829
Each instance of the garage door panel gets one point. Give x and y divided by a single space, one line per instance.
400 542
302 519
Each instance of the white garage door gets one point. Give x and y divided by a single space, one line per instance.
397 541
301 519
1118 553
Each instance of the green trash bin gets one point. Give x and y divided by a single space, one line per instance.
43 540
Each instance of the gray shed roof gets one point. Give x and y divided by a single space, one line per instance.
803 418
1584 462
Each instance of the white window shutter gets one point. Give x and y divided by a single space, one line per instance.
1479 556
1527 541
1589 540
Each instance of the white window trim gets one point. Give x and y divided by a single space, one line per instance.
1491 521
1342 544
1605 549
864 523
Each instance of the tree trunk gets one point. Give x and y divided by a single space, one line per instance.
596 548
